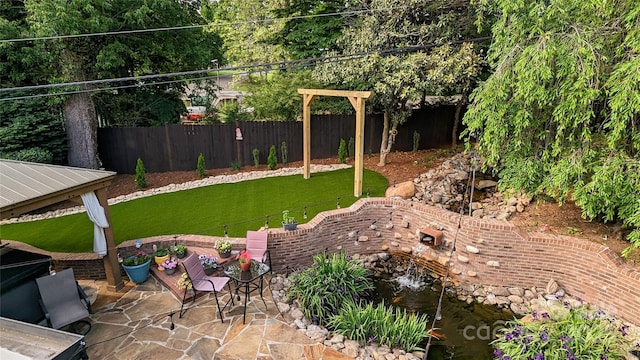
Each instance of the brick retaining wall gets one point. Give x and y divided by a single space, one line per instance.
488 252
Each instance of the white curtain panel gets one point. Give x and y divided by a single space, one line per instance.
97 215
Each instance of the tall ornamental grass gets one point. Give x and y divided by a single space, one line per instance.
388 326
331 281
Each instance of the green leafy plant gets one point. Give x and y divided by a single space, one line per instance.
288 219
570 333
235 165
139 258
416 140
201 167
388 326
256 157
284 153
178 249
159 251
331 281
141 179
342 152
272 159
351 147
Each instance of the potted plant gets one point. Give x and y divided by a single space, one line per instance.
289 222
169 265
209 263
160 254
178 250
223 247
184 283
245 260
137 266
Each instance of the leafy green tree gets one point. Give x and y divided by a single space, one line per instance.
246 27
406 52
305 32
30 128
559 114
116 56
276 97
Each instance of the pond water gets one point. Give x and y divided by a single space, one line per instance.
467 328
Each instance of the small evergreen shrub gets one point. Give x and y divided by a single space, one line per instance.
330 282
569 333
235 165
141 178
416 140
272 159
351 147
256 157
201 166
342 152
388 326
284 153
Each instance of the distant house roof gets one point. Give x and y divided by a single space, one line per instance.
26 186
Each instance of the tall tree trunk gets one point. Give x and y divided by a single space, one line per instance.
385 140
81 126
456 121
388 138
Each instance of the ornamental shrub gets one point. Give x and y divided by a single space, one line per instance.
272 159
256 157
201 167
330 282
388 326
141 179
570 333
284 153
342 152
416 140
351 147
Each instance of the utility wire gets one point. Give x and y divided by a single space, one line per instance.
187 27
256 67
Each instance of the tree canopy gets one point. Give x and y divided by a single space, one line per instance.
67 55
404 50
559 114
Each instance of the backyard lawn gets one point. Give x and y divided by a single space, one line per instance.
206 210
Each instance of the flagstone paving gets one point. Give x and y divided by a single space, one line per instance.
136 324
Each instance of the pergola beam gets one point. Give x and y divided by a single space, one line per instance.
357 100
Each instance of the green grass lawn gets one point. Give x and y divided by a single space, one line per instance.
241 206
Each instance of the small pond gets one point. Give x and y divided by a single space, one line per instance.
467 328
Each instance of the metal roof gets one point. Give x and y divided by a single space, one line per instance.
26 186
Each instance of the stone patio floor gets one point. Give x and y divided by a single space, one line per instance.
136 324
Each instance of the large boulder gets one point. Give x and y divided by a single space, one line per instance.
405 190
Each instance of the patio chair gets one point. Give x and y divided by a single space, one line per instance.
257 247
63 301
202 282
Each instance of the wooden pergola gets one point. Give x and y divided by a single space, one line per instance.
357 99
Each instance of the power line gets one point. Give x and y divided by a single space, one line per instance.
187 27
256 68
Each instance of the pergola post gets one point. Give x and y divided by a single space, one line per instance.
111 263
306 133
357 99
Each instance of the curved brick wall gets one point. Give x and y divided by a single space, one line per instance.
487 252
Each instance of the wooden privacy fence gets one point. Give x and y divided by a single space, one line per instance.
175 147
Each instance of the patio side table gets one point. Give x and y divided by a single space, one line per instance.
247 281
